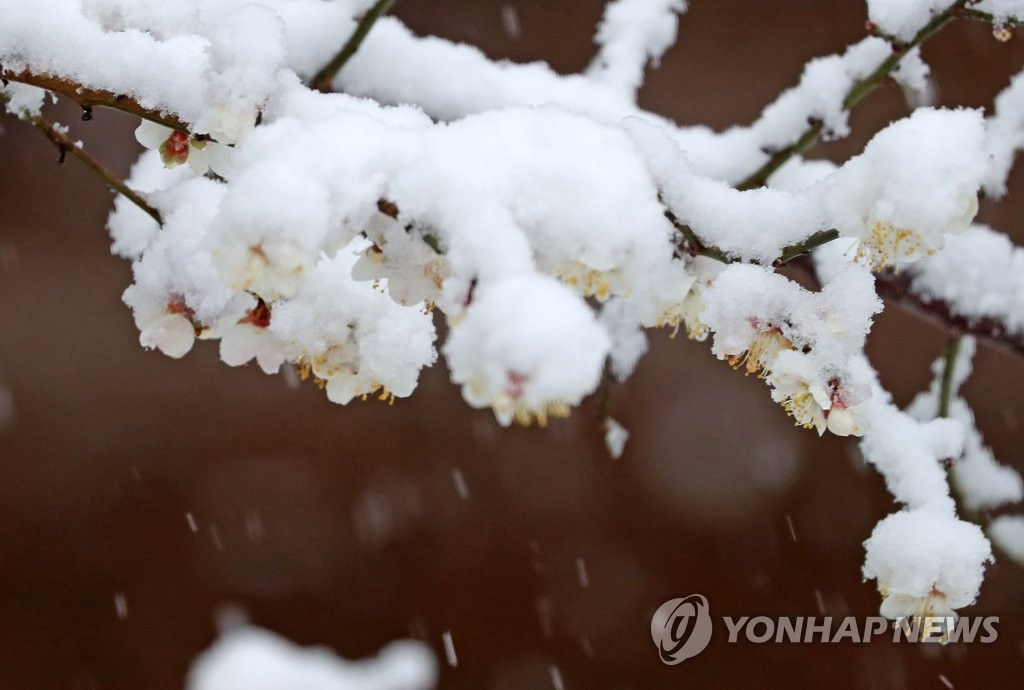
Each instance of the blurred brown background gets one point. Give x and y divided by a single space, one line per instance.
345 526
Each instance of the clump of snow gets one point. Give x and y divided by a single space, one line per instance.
629 343
802 342
1007 533
917 180
528 348
352 337
21 99
914 75
753 225
131 228
926 562
256 659
213 64
819 96
1004 135
981 480
632 33
979 274
450 81
909 453
615 437
176 283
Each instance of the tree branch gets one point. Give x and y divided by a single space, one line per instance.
896 287
857 93
946 391
322 80
91 98
692 244
807 246
66 146
978 15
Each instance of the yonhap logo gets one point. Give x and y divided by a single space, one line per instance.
681 628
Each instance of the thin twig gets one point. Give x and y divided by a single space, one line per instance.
980 16
105 174
692 244
89 98
857 93
946 393
323 79
896 289
813 242
604 395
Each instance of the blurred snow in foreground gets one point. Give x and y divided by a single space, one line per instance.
257 659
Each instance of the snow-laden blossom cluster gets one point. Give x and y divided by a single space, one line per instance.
600 230
548 220
927 563
916 182
800 341
925 559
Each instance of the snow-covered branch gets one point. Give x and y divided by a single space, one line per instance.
546 217
974 286
26 101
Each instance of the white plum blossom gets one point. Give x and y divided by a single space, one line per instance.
673 296
816 399
177 148
249 337
172 332
413 271
800 341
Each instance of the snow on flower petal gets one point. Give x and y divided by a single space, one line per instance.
926 562
353 339
528 348
917 180
413 270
